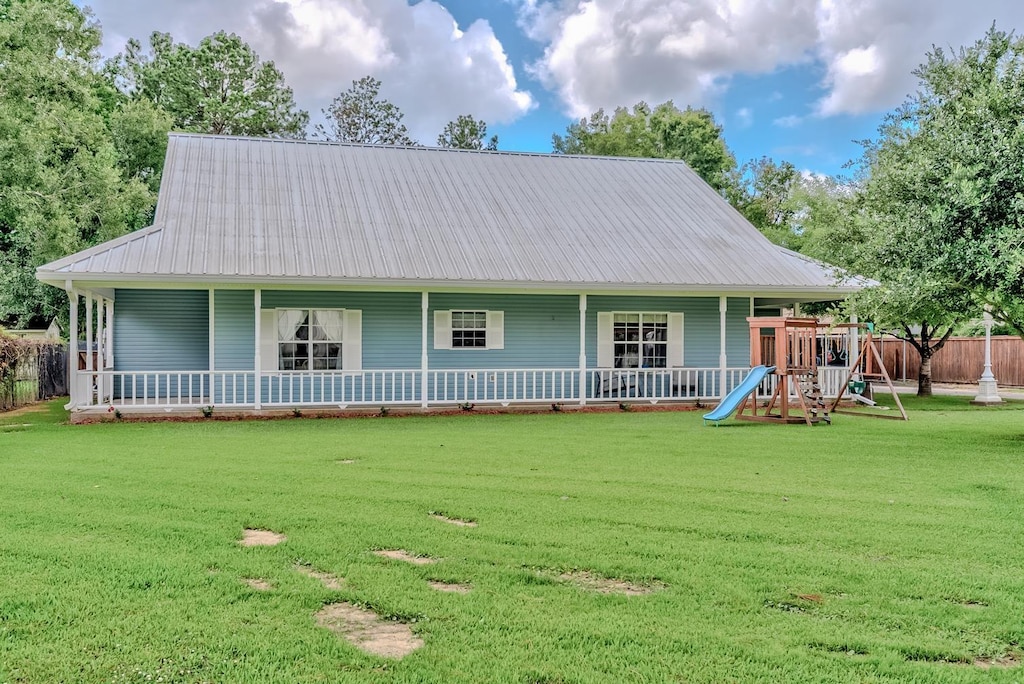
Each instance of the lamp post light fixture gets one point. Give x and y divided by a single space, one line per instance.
988 389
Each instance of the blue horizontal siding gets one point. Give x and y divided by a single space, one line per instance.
541 331
737 332
161 330
234 330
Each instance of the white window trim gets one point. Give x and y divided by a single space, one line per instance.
674 347
494 336
351 342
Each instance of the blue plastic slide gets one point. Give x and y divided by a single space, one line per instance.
738 394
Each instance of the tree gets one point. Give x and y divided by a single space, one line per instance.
910 297
467 133
664 132
359 115
941 201
762 192
139 129
949 165
220 86
61 186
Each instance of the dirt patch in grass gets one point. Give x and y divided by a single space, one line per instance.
346 461
251 537
367 631
258 583
403 555
813 598
328 580
1005 661
453 521
450 587
609 585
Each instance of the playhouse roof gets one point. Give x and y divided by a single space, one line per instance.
263 211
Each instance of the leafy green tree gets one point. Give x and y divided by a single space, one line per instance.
664 132
467 133
220 86
139 131
61 185
907 295
947 172
360 115
763 192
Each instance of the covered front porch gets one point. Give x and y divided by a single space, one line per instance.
225 361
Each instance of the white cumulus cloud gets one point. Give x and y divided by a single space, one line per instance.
604 53
430 67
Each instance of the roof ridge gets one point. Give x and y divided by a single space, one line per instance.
421 148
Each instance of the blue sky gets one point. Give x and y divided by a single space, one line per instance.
796 80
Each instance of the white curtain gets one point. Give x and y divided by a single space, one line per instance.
327 325
288 323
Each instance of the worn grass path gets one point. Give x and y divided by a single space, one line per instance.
871 550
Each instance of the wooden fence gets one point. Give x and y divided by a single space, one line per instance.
32 372
961 360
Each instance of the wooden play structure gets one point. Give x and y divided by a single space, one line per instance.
789 344
866 369
795 347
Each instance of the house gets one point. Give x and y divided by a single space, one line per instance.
281 274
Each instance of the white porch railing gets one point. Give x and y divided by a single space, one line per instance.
341 388
283 389
503 386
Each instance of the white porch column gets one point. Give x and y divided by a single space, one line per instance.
101 336
583 349
723 358
73 350
212 364
988 388
424 356
257 397
109 343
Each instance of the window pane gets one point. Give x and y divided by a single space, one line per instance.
328 324
327 356
655 355
469 338
293 356
627 355
289 324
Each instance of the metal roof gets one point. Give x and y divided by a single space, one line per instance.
260 210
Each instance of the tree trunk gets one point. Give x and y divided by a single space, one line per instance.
924 376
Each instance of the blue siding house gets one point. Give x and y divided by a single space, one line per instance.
285 274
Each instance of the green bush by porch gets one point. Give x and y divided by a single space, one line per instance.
868 550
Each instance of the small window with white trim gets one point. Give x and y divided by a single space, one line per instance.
310 339
469 329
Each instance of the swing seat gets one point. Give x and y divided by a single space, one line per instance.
856 386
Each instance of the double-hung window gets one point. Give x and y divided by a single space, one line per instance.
641 340
628 339
469 329
310 339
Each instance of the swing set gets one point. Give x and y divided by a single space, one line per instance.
866 369
797 347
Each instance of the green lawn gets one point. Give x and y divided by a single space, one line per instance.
119 557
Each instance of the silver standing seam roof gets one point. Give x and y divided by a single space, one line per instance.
262 211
